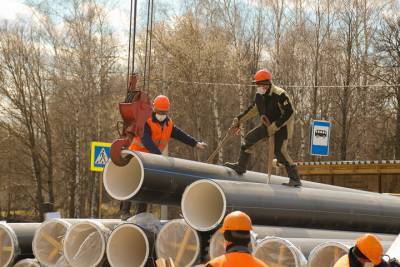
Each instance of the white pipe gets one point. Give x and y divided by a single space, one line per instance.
327 254
9 245
178 241
85 243
275 251
128 246
123 183
203 205
47 243
28 263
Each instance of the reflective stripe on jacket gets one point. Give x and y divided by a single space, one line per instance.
160 135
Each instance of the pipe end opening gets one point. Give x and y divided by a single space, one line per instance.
203 205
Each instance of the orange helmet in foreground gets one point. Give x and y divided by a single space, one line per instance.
161 103
236 221
262 76
371 247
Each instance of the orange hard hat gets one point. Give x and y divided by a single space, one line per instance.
236 221
371 247
262 75
161 103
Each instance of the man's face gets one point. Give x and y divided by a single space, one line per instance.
262 88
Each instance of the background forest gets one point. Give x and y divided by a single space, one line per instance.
63 72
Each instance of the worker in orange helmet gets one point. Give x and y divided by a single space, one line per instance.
236 230
367 252
158 130
273 104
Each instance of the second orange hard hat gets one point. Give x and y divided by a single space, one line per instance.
236 221
371 247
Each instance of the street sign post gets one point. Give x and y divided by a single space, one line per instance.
99 156
320 135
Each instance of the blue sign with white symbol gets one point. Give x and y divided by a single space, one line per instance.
100 154
320 135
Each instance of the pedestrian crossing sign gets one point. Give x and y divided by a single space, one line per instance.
100 154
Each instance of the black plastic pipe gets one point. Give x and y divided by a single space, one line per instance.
16 241
205 203
158 179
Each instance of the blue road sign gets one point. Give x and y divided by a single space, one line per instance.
100 154
320 135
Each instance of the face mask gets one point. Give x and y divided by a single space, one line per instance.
160 117
261 90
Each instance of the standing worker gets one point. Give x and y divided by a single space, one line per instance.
236 230
158 130
273 103
367 252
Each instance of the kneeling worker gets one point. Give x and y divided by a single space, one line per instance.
158 130
236 230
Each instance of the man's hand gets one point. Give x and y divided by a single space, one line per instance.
235 123
201 145
272 129
235 126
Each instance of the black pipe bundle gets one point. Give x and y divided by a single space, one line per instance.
158 179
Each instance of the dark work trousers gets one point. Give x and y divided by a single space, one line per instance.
259 133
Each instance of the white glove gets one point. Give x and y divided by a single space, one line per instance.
201 145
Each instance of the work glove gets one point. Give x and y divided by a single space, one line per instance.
272 129
235 123
235 126
201 145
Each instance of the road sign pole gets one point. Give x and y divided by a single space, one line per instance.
100 195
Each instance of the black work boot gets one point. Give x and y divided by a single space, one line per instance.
240 166
294 178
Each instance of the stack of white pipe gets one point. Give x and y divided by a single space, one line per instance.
28 263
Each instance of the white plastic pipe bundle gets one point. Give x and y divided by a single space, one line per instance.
85 242
327 253
275 251
16 241
130 245
178 241
47 243
28 263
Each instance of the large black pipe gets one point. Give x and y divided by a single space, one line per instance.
158 179
16 241
205 203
